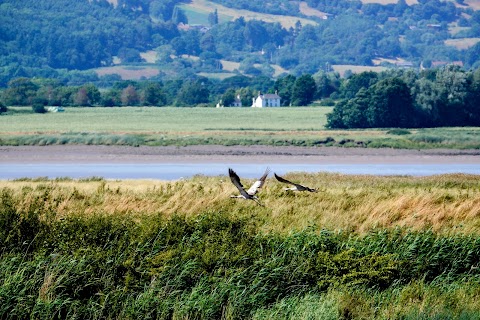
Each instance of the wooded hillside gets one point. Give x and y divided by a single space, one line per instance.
53 37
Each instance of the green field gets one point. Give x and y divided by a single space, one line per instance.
168 119
197 12
364 247
152 126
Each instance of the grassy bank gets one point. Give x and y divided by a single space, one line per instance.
206 126
362 247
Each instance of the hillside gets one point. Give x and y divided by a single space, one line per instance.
294 37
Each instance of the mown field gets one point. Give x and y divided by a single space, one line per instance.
197 12
207 126
362 247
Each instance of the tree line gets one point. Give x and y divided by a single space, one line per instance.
196 91
444 97
447 96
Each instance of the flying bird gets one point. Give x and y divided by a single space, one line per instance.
296 186
249 194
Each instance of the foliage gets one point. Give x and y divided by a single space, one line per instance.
38 108
60 259
353 33
443 97
303 90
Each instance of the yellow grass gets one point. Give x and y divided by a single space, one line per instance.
114 2
311 12
208 7
463 43
474 4
217 75
379 61
409 2
230 65
129 73
149 56
446 204
356 69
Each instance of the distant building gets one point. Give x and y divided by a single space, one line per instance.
237 102
266 100
436 64
187 27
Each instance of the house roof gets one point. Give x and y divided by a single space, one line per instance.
271 96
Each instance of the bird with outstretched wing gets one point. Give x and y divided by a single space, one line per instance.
249 194
296 186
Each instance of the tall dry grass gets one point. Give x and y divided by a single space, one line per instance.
444 203
97 249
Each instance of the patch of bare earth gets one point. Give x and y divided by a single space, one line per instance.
129 73
311 12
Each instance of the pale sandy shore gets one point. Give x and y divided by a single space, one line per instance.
237 154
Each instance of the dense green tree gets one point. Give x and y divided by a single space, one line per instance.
390 104
357 81
472 108
153 95
246 96
335 118
21 91
453 90
213 17
303 90
327 83
228 97
355 111
192 93
111 98
284 87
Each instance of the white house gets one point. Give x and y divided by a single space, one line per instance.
266 100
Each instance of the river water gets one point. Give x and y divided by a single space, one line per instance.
174 171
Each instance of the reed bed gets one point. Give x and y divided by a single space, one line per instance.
363 247
356 203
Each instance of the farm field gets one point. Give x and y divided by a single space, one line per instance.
198 11
367 247
462 44
295 126
341 68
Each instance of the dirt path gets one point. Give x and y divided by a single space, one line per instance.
239 154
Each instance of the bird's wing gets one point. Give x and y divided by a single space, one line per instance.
300 187
282 179
236 182
259 183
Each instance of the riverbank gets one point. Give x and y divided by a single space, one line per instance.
233 154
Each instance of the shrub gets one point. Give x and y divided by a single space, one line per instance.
3 108
39 108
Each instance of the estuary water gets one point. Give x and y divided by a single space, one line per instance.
174 171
